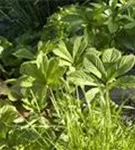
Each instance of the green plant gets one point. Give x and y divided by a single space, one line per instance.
71 54
61 98
107 24
106 73
17 16
57 118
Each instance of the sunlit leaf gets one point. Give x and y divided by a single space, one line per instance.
81 78
111 55
90 95
93 64
62 52
125 64
8 113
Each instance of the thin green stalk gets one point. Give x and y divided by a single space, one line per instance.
108 119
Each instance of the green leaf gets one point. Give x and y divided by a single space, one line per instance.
77 44
2 131
81 78
4 42
3 88
54 71
112 26
64 63
90 95
125 64
63 52
93 64
23 53
30 69
130 25
79 48
29 135
42 62
92 51
111 55
1 50
125 82
52 66
74 21
27 82
7 114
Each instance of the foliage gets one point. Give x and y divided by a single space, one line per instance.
17 16
58 89
106 24
53 114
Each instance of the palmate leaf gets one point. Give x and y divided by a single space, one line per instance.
79 49
42 63
54 72
110 57
42 72
71 52
63 52
77 44
30 69
125 64
93 64
52 67
80 44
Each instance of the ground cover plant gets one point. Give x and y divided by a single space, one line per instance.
56 92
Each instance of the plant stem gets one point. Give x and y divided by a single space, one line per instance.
108 119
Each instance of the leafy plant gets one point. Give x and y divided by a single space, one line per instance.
60 97
71 54
106 71
107 24
40 76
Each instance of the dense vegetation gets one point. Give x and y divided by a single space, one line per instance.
59 82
